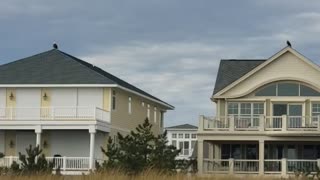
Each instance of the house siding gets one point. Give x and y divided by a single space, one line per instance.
121 117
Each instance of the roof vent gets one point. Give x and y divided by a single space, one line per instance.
55 45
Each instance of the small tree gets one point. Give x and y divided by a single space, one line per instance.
139 150
33 162
163 155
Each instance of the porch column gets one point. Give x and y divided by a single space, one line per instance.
211 150
200 156
38 132
217 151
261 157
92 145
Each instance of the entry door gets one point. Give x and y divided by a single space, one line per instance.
295 115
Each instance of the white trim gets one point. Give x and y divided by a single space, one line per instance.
268 61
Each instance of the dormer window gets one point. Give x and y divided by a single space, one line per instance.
286 89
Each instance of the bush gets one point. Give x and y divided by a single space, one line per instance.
33 163
140 150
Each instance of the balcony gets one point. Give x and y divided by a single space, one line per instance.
260 123
54 118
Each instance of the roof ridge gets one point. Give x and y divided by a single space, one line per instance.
77 60
243 59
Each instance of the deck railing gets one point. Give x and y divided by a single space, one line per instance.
54 113
63 163
271 166
260 123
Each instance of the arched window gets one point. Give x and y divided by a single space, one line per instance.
286 89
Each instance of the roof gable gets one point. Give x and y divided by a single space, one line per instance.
263 64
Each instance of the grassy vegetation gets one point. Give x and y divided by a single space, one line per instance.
120 176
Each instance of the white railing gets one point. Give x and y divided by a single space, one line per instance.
302 122
273 123
272 166
302 165
217 165
216 123
54 113
260 123
8 160
246 166
64 163
246 122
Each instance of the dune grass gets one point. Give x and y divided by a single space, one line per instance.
149 175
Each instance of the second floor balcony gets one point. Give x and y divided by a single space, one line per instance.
54 114
260 123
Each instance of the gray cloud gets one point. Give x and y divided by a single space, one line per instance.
169 48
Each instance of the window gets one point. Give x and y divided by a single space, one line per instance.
270 90
155 114
187 136
245 108
307 91
258 108
287 89
315 110
113 100
232 108
193 136
174 143
193 144
174 135
142 103
129 105
181 136
148 112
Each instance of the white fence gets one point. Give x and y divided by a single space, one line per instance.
64 163
54 113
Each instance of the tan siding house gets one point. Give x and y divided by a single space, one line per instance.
267 117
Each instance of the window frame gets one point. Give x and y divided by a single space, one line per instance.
305 88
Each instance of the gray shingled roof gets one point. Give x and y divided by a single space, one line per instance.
183 126
232 69
57 67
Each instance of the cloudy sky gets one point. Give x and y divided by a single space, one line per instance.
170 48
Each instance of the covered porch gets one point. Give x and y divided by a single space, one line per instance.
259 157
69 149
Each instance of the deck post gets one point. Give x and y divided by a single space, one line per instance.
38 132
200 156
231 166
318 118
261 157
201 123
318 163
92 145
64 166
284 123
283 167
231 123
261 122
